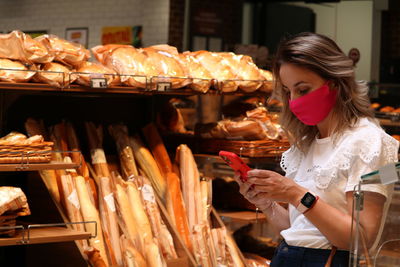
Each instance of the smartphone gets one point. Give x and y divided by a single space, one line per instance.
236 163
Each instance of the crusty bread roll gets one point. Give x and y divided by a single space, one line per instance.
387 109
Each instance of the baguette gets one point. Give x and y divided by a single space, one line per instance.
109 219
90 213
128 217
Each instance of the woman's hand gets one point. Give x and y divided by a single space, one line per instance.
247 190
273 186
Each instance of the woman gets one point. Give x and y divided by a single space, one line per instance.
335 140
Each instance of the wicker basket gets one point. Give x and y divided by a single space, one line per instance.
258 148
7 221
34 153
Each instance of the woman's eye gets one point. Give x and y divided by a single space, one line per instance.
303 91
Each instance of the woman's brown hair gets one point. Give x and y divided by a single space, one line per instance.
323 56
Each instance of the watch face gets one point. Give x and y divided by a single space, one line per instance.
308 199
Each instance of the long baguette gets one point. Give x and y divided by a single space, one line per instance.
127 158
110 219
158 226
149 166
90 213
128 217
140 215
157 148
132 256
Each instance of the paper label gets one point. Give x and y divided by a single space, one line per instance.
163 86
73 198
388 174
98 82
98 156
148 193
110 202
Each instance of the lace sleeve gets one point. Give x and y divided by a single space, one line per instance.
370 155
290 161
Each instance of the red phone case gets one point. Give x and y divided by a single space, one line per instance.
236 163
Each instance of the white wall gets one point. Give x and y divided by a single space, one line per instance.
350 24
57 15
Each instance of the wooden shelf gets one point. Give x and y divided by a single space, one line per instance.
73 88
45 235
387 122
243 216
216 159
37 166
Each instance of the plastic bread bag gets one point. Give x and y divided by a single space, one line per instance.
21 74
17 45
13 200
244 68
54 74
221 72
268 78
126 60
201 79
64 51
162 63
89 70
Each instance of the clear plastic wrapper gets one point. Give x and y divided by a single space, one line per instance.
201 79
161 63
126 60
89 70
221 72
14 71
64 51
54 74
13 200
245 70
267 85
17 45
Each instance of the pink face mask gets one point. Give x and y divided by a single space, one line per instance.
315 106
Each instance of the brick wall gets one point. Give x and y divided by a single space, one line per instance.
57 15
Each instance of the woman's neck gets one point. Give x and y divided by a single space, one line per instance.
325 127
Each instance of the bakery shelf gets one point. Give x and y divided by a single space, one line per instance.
246 216
391 123
207 158
45 233
5 167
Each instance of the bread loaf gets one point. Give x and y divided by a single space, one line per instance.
20 75
66 52
221 72
17 45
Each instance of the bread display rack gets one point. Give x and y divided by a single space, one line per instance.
153 85
28 161
158 85
40 233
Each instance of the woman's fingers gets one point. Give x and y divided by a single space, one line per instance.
260 173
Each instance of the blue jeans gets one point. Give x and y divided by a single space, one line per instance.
291 256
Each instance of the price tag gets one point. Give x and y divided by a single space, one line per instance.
99 82
163 86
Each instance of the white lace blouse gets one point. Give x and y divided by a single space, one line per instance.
330 168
